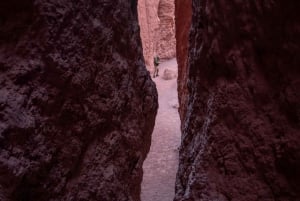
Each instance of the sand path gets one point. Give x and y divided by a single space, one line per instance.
161 164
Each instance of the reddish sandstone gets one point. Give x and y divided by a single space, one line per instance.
241 119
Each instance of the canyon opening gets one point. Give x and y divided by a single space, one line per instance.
157 28
78 105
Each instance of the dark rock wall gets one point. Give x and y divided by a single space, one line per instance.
241 129
77 106
183 10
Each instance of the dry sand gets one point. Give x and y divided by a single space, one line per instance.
161 164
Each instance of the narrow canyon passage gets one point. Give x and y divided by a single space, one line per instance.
78 107
160 166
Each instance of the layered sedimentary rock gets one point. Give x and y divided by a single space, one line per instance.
77 106
183 9
241 125
166 43
156 19
149 26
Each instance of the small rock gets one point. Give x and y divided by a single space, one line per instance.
174 104
169 74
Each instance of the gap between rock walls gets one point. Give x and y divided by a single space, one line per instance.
157 30
78 104
233 136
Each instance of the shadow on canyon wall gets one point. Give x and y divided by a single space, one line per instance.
239 101
77 105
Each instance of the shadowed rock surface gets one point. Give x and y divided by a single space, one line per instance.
77 106
183 10
241 131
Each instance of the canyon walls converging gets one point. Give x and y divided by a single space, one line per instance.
241 117
156 19
77 106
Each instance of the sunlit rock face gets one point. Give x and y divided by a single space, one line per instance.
241 121
77 106
157 25
149 27
166 43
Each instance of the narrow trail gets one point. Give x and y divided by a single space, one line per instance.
160 166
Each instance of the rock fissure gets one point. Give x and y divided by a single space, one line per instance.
78 106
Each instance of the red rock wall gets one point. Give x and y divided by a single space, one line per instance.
149 26
183 9
77 106
157 25
241 128
166 43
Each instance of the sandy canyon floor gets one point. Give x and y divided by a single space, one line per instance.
161 164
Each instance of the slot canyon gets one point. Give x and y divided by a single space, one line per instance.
78 104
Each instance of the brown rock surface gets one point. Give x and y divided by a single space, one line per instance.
183 9
77 106
156 19
241 129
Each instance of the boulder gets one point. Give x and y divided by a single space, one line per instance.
169 74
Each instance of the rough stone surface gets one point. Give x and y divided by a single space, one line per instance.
149 26
241 128
156 19
77 106
166 43
183 9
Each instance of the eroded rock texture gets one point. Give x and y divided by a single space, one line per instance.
149 26
156 18
166 43
77 106
241 129
183 9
